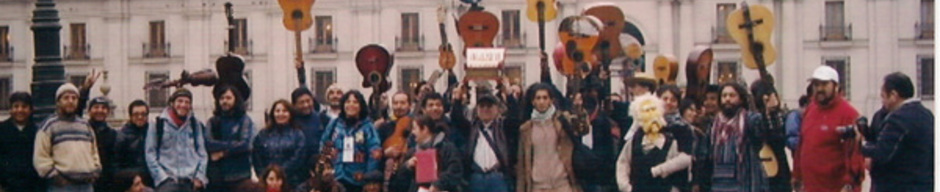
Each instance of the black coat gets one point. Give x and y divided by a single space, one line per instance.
129 149
449 168
903 154
16 158
105 139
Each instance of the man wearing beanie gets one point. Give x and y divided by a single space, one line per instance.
99 109
311 124
333 95
175 147
228 135
65 153
17 136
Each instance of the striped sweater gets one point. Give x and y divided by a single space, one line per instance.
66 146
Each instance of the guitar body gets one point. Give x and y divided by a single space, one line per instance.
768 160
478 28
550 11
230 67
666 69
698 70
761 35
374 62
296 14
613 22
579 35
447 60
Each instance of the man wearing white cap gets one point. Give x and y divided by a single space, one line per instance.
828 158
65 151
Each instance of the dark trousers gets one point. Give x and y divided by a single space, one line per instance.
228 186
489 182
177 185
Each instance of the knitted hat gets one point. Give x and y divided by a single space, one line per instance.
181 92
67 87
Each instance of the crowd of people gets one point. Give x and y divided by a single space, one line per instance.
656 138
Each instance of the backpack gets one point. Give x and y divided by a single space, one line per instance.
160 131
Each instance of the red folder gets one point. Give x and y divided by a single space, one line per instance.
426 168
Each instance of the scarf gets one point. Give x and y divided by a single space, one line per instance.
725 129
536 115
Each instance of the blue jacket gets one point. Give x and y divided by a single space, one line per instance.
367 149
230 134
313 130
182 151
792 125
903 154
282 146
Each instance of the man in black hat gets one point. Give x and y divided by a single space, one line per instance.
491 168
228 135
17 137
99 109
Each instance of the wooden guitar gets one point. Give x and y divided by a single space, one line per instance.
613 20
477 27
374 62
697 71
666 69
540 11
447 60
751 27
230 67
297 19
579 35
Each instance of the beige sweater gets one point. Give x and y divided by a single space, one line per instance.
66 146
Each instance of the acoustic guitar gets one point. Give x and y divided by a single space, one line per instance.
374 63
297 19
477 27
666 69
230 67
751 27
540 11
697 71
447 60
613 20
579 35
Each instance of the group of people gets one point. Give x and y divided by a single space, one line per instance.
657 138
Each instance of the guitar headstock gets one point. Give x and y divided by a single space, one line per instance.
441 13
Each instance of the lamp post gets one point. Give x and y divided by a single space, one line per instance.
48 71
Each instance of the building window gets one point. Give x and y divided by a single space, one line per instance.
77 80
157 97
78 47
841 65
720 33
322 79
835 27
728 71
925 77
157 46
410 34
512 35
242 44
6 51
409 78
324 36
515 74
925 25
6 87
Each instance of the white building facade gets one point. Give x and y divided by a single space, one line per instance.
140 40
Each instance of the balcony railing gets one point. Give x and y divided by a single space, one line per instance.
924 30
410 44
835 32
77 52
323 45
6 53
244 48
156 50
720 35
517 42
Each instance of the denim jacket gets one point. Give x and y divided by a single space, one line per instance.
367 149
182 154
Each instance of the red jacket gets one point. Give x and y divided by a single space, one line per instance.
826 162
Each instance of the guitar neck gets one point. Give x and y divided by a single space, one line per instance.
546 73
443 33
756 48
301 73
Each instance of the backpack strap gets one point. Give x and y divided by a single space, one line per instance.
159 135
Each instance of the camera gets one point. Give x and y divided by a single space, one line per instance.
846 132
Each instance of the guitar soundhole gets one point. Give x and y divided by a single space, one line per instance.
297 14
477 27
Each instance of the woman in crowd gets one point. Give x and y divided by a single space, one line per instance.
280 143
273 179
544 149
355 144
429 134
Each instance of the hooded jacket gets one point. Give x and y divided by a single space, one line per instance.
181 152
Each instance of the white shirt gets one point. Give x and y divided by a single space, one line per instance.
483 154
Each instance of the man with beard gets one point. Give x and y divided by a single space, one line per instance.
401 107
333 95
17 137
129 147
827 159
98 111
65 153
773 115
175 147
902 154
228 136
311 123
458 125
735 138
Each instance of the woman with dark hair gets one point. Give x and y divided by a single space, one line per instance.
280 143
352 139
273 179
544 146
429 134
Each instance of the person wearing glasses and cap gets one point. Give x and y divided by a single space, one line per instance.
99 108
491 165
828 159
